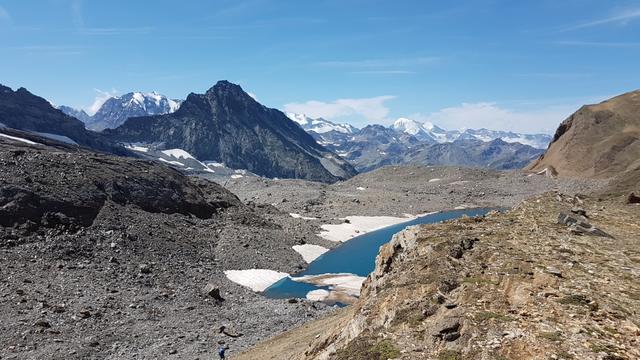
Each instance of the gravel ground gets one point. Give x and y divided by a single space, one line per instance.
124 279
395 191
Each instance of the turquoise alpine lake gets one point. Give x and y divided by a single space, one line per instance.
356 256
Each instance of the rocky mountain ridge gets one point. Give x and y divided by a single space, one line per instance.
228 126
597 141
25 111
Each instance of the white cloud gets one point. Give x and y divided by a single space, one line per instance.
621 18
491 116
371 109
100 99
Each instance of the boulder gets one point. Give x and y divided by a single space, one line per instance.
214 291
579 226
633 199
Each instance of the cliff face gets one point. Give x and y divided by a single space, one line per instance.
598 141
507 286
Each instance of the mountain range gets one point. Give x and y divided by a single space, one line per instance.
227 125
116 110
410 142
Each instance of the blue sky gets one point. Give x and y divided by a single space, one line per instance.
520 65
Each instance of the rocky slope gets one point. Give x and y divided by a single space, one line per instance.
597 141
227 125
518 285
116 110
22 110
109 257
510 286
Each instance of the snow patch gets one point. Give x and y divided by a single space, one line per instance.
361 188
358 225
317 295
346 283
236 176
310 252
19 139
435 180
177 163
298 216
137 148
257 280
178 154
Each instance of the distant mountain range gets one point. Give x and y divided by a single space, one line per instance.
227 126
116 110
410 142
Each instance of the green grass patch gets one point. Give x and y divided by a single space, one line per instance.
449 355
386 350
579 300
361 349
551 335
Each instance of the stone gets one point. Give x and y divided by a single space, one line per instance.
42 324
451 336
229 332
144 268
447 329
633 199
579 211
554 271
578 226
467 244
456 252
214 291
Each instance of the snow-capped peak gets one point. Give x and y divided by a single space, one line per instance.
301 119
117 109
319 125
408 126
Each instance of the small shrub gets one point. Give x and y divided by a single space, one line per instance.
551 335
449 355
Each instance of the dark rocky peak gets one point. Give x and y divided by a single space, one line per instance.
225 92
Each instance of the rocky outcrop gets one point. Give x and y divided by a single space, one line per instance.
227 125
40 187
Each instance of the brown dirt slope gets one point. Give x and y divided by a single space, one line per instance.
598 141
